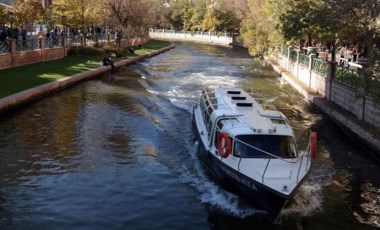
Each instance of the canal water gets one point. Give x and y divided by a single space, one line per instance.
118 153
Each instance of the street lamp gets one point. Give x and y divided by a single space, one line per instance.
11 18
64 20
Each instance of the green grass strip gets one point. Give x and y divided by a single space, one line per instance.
17 79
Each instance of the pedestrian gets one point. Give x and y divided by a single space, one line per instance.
119 35
23 36
342 52
130 50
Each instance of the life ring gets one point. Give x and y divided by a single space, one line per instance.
313 145
224 144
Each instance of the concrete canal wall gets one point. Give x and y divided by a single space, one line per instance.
26 96
359 115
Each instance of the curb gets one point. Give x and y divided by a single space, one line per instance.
10 102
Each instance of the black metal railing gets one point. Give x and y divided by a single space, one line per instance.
5 47
54 42
74 41
28 44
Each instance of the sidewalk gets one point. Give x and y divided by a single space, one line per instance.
362 131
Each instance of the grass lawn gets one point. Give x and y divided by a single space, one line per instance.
17 79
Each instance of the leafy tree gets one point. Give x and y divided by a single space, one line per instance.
259 31
28 11
305 18
210 22
135 16
188 14
219 18
4 15
197 17
79 13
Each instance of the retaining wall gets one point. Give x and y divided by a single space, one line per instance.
361 116
348 98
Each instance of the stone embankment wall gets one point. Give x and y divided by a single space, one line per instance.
357 113
12 101
200 37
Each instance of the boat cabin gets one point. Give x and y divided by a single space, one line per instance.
255 130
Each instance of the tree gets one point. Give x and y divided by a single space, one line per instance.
259 30
28 11
135 16
219 18
4 15
79 13
304 18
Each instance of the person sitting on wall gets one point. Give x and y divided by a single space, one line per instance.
139 46
119 54
107 61
130 50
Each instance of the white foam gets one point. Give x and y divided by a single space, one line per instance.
307 200
211 193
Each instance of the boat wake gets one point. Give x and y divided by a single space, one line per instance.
183 93
212 194
306 201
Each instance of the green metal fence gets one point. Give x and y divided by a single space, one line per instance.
347 76
304 60
293 55
285 52
319 66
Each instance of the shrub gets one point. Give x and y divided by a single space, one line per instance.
85 51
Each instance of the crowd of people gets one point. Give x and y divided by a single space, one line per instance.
7 33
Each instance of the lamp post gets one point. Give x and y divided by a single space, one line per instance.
64 20
11 18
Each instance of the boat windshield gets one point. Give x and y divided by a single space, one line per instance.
281 146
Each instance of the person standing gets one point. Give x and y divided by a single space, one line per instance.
119 35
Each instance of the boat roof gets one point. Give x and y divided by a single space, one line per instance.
247 113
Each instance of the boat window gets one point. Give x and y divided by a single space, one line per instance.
278 121
252 146
219 126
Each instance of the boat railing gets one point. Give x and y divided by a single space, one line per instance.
273 156
265 104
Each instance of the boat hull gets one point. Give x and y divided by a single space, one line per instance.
259 195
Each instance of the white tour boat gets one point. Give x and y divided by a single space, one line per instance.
250 147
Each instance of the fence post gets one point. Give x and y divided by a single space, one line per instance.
287 64
363 89
82 40
41 41
65 45
312 56
13 45
330 77
13 50
298 62
96 39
